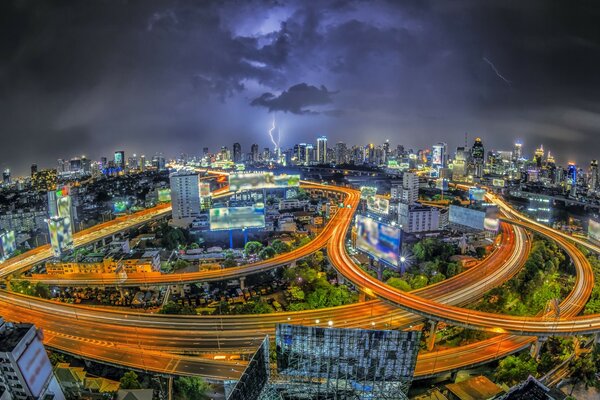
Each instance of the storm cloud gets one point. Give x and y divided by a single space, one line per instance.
175 76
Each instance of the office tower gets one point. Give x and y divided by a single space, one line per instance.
61 234
309 154
132 162
538 156
370 153
237 153
103 162
439 155
478 158
185 197
34 169
158 162
593 175
120 159
25 369
386 150
517 152
6 176
143 163
322 150
254 152
86 165
409 193
75 165
341 153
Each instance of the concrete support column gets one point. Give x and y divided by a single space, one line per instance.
432 335
453 376
380 271
122 293
536 347
597 337
242 282
103 242
340 278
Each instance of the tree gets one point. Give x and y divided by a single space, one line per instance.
129 380
55 358
266 253
399 284
280 246
191 388
418 281
180 264
252 247
174 308
296 293
515 369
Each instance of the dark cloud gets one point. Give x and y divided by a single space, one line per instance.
146 76
296 99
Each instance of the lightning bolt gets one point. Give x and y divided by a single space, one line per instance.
271 134
498 74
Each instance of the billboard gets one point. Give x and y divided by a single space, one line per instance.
380 240
204 189
498 182
594 230
484 219
164 195
119 206
378 205
8 244
35 367
256 376
227 218
268 180
61 237
367 191
373 363
476 194
63 204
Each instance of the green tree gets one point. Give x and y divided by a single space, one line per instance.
514 369
296 293
399 284
266 253
280 246
252 247
191 388
129 380
55 358
180 264
174 308
418 281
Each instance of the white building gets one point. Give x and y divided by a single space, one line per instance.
409 192
417 218
25 370
185 197
322 150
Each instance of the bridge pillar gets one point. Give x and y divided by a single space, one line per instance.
432 335
103 242
122 292
340 278
536 347
453 376
362 297
242 282
597 337
380 271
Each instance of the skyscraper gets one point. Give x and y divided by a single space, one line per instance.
439 156
341 153
593 175
119 159
185 197
237 153
322 150
517 152
34 169
478 157
6 176
409 193
254 152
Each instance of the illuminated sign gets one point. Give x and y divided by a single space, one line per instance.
380 240
63 205
268 180
35 367
367 191
498 182
8 244
594 229
473 218
228 218
378 205
119 207
61 237
164 195
476 194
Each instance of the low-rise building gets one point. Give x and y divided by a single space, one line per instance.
136 262
418 218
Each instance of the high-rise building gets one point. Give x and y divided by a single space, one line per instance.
322 150
409 193
132 162
459 165
254 152
143 163
309 155
538 156
25 370
439 155
517 152
6 176
185 197
120 159
478 158
593 175
341 153
34 169
158 162
237 153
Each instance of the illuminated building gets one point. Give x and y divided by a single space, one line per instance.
59 204
322 150
143 163
593 180
120 159
418 218
340 153
459 165
185 197
158 162
34 169
141 262
44 180
538 156
25 370
6 176
517 152
8 244
254 152
478 157
409 192
61 236
237 153
439 155
572 179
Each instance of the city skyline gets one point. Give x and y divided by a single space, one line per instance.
167 77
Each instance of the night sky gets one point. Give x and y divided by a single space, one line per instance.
92 77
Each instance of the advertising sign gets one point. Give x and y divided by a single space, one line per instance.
498 182
476 194
255 181
594 229
378 205
164 195
61 237
380 240
227 218
35 367
367 191
8 244
119 206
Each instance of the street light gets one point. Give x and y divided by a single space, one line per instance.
330 323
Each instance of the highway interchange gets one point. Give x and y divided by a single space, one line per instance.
159 343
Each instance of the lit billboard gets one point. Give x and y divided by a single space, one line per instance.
164 195
63 204
594 229
227 218
367 191
8 244
35 367
268 180
378 205
204 189
485 219
476 194
498 182
380 240
119 206
61 237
